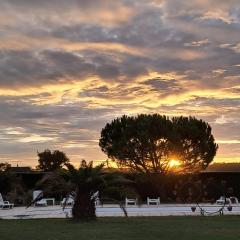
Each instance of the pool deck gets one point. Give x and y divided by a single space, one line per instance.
113 210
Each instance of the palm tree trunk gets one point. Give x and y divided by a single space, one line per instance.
84 207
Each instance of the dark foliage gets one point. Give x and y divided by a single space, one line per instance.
7 178
51 160
193 143
11 185
5 167
147 143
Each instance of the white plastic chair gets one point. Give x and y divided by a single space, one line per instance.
153 201
130 201
41 202
5 204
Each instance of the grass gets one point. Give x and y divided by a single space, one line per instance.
194 228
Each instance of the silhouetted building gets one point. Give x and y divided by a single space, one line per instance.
21 169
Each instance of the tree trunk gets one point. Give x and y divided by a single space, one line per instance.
84 207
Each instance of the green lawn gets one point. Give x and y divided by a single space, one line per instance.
194 228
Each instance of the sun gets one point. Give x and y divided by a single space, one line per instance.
174 163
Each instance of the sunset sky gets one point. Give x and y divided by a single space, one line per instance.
67 67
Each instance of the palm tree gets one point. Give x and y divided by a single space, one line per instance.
82 183
87 180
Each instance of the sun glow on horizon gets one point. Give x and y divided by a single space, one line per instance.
173 163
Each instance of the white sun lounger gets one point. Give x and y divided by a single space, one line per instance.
41 202
222 200
230 200
95 196
68 201
234 200
5 204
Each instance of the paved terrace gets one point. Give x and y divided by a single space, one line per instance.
110 210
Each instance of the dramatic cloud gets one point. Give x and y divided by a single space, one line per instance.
69 67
